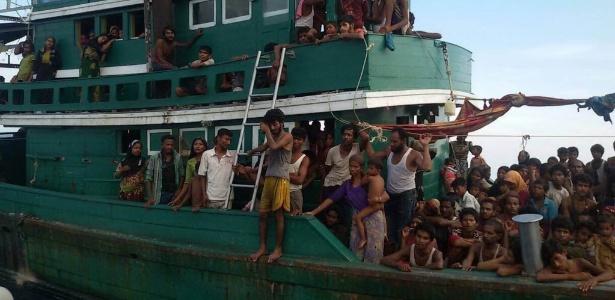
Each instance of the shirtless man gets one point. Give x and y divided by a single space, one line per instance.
165 46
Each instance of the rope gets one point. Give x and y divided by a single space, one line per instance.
524 140
33 181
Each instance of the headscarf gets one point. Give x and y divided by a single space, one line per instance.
515 177
133 161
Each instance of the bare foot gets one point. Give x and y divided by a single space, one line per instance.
277 253
196 208
258 254
362 243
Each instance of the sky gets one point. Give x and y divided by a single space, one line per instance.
554 48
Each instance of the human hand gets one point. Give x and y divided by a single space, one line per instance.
364 133
404 267
467 267
265 128
425 139
125 168
588 284
385 29
405 232
198 33
244 57
149 203
309 213
456 266
176 207
580 276
276 64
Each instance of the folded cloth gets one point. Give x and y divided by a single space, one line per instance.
388 41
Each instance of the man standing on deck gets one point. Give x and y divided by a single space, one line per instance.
164 48
215 171
402 164
276 191
164 174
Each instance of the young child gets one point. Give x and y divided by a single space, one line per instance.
408 234
545 206
489 248
466 200
475 191
559 268
421 254
508 264
605 244
375 188
511 209
198 86
562 230
477 160
331 32
557 192
581 202
449 174
584 238
460 240
563 154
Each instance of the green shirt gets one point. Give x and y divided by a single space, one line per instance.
25 67
190 169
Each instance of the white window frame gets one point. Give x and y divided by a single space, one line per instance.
191 15
236 19
149 138
181 136
276 12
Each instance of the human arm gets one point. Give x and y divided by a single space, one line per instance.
389 7
423 161
119 170
258 149
277 53
547 274
320 207
285 141
299 177
149 177
437 262
466 264
565 207
106 46
197 34
159 55
202 173
600 275
352 35
393 260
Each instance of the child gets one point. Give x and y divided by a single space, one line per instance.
421 254
506 265
461 240
198 86
605 244
449 174
409 232
545 206
475 191
477 160
563 154
489 248
331 32
559 268
584 238
375 188
562 230
511 209
557 192
581 201
466 200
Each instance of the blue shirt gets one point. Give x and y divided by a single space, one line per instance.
548 209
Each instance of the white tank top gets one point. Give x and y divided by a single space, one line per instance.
305 21
403 178
413 262
294 168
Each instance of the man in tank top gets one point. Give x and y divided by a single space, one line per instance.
299 164
276 191
402 164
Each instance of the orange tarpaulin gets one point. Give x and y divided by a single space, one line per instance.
472 118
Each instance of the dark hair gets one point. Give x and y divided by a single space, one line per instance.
272 115
167 137
549 248
412 18
488 201
427 228
597 148
573 149
562 222
448 160
515 167
605 219
28 43
528 209
311 155
468 211
223 132
497 225
514 244
534 161
403 134
586 224
269 47
345 18
523 166
562 150
505 168
479 170
558 167
192 153
376 163
419 216
450 198
302 30
332 23
298 133
478 148
459 181
206 48
54 43
544 184
583 178
168 27
354 128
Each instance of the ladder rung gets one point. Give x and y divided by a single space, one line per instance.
246 153
263 67
261 95
252 124
242 185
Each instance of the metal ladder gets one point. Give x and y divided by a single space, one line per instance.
244 124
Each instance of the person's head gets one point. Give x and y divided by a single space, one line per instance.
585 217
502 172
199 145
575 166
459 186
563 153
424 233
355 164
513 181
167 142
511 203
476 150
349 134
469 219
486 171
487 209
374 167
346 24
553 254
275 119
331 28
28 48
493 231
514 250
583 184
302 35
50 43
168 33
573 152
534 163
562 229
447 206
474 190
605 226
524 171
135 148
398 140
462 138
329 140
102 39
432 207
120 34
584 231
529 209
91 34
558 173
539 189
224 138
552 160
514 167
417 219
523 157
476 174
114 31
333 217
205 53
606 210
299 134
597 151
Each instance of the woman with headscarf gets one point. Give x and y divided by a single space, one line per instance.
515 183
46 65
132 171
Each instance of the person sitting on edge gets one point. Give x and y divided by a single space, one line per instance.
487 212
581 202
448 174
542 203
198 86
489 248
421 254
276 191
477 160
562 230
168 168
26 65
332 222
163 49
299 164
409 233
215 172
466 200
559 268
557 192
375 188
585 237
605 243
191 189
331 32
506 265
132 171
460 240
348 31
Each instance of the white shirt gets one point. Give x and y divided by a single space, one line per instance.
557 195
339 165
470 201
218 172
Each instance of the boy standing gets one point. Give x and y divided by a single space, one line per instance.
477 160
299 164
276 191
557 192
541 202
